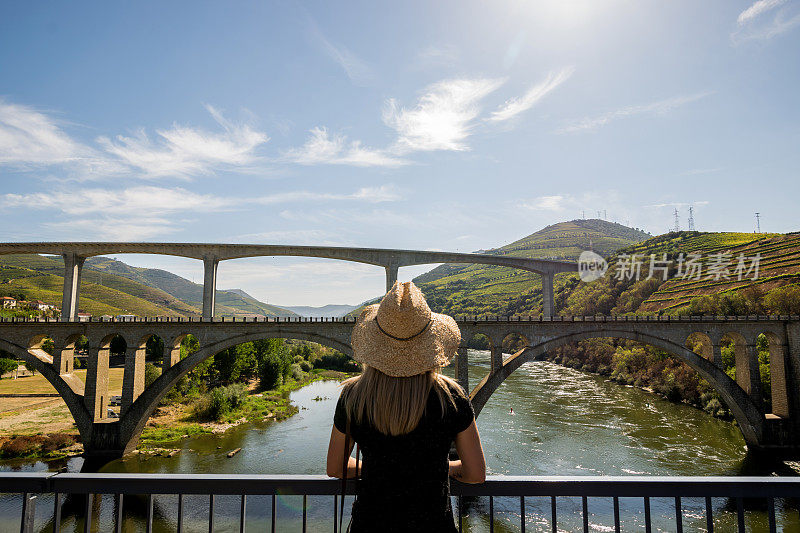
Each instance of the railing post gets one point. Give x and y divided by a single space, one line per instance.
209 286
462 369
73 265
548 305
28 513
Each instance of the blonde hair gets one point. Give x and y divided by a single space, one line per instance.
394 405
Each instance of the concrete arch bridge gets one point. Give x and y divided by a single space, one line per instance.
777 431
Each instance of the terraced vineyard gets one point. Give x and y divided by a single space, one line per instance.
779 264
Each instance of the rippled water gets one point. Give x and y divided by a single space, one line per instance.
564 422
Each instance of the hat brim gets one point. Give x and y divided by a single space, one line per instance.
434 348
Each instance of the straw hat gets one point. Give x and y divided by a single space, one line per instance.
401 336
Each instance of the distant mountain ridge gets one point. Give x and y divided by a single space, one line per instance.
330 310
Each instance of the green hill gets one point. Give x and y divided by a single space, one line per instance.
485 289
112 287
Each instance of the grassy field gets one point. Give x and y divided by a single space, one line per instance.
39 385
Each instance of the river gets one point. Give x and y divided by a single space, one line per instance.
564 422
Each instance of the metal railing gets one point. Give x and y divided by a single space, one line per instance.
740 492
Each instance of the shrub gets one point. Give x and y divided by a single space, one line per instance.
151 373
226 399
295 372
305 366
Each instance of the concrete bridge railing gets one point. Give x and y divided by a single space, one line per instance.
778 430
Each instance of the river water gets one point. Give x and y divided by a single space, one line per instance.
564 422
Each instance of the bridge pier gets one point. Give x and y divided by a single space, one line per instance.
133 376
548 303
95 395
73 265
391 276
496 357
171 356
209 286
64 359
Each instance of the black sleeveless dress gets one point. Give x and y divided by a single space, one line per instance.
404 485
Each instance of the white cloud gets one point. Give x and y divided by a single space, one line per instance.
30 139
698 203
661 107
758 8
136 200
129 201
753 25
322 148
437 56
545 203
513 107
183 151
443 116
127 229
356 69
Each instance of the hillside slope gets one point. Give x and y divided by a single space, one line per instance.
486 289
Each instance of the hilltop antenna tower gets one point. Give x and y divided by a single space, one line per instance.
691 218
677 226
758 222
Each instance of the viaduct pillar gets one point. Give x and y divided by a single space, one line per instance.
548 304
73 265
391 276
209 286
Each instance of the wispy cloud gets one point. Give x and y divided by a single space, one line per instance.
183 151
443 117
700 171
322 148
661 107
437 56
698 203
356 69
135 200
513 107
758 8
31 139
753 24
545 203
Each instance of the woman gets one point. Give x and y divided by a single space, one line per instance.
404 415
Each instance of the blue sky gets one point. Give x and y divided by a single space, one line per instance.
433 125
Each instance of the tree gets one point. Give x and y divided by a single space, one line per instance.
7 365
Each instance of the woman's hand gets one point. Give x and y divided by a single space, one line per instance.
471 466
336 453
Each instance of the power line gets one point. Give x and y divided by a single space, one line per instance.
691 218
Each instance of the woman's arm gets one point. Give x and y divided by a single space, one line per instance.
336 453
471 466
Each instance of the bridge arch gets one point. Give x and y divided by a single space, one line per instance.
64 388
744 409
135 418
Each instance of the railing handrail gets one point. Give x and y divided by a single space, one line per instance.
253 484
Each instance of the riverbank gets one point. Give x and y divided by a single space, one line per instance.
172 423
56 437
